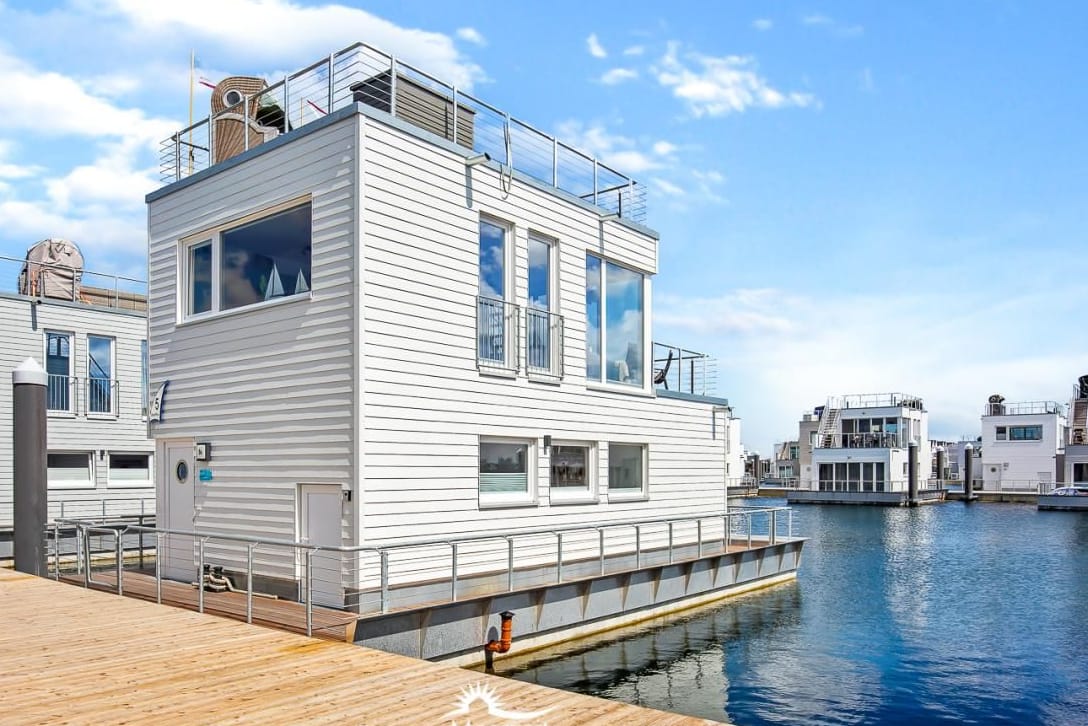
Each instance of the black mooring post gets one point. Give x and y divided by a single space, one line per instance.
31 499
968 473
942 462
912 474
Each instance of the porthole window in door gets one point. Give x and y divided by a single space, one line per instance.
181 471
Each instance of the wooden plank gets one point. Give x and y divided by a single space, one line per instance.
76 655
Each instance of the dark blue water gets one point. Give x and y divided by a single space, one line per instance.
941 614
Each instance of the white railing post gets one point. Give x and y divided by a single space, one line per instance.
245 123
310 592
332 72
393 86
455 114
249 581
383 560
453 571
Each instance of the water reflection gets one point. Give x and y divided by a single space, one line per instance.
942 614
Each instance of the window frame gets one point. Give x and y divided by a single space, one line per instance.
589 494
213 236
71 410
556 325
629 494
495 500
1024 430
112 483
510 363
1001 433
645 385
89 483
111 381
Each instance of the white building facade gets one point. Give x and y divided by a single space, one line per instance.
1022 444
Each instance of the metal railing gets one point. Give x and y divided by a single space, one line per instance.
364 578
886 485
497 324
875 400
60 393
543 343
685 371
83 286
863 441
101 396
364 74
1023 408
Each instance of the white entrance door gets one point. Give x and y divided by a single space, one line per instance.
177 475
320 515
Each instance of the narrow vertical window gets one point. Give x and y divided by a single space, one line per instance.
99 374
540 324
593 318
200 278
623 326
58 368
491 318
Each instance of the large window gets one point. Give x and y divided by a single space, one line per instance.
506 471
572 472
58 369
1026 433
626 470
70 470
250 263
129 470
614 323
100 382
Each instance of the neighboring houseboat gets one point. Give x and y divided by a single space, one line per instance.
416 319
89 333
862 452
1071 492
1022 445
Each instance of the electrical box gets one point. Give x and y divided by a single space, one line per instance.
202 451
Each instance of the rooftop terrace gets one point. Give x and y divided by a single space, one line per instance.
80 286
875 400
1022 408
364 74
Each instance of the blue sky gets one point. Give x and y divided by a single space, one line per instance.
852 196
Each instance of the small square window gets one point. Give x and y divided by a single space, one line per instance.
70 470
1001 433
573 473
130 470
506 472
626 470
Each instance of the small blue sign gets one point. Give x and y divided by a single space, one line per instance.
205 474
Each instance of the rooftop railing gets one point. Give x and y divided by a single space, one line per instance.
364 74
83 286
685 371
876 400
1023 408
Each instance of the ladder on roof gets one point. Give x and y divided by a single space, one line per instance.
829 428
1079 427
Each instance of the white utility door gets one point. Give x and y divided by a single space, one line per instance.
177 477
320 515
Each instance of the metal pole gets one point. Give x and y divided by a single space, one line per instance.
638 547
286 103
594 181
245 123
748 515
332 66
772 528
600 545
120 551
453 572
249 582
86 537
200 577
177 157
555 162
31 497
968 473
455 114
56 551
670 543
510 564
558 557
383 557
158 567
912 474
699 536
393 86
310 592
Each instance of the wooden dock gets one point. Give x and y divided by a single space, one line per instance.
72 655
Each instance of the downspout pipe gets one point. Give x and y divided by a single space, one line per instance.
506 638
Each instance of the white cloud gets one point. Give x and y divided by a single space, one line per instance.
664 148
667 188
618 75
865 81
471 35
762 24
9 170
634 50
595 48
717 86
301 34
844 30
619 152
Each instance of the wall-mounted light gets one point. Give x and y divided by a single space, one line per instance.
547 442
202 451
478 159
101 454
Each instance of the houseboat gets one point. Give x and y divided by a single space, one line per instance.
1022 445
1071 491
89 333
866 449
413 334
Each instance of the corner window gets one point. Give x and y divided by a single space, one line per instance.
614 323
129 470
69 470
250 263
58 369
506 472
572 473
626 470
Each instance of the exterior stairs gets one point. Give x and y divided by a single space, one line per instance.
829 428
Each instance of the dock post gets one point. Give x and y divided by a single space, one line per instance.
968 473
31 498
942 462
912 474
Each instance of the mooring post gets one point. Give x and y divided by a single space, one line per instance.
968 473
31 499
941 464
912 474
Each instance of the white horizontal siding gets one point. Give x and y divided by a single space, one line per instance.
271 389
23 324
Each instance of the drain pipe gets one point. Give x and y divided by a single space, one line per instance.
502 645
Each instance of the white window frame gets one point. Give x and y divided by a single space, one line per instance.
511 311
603 383
556 342
112 483
629 495
89 483
1001 433
73 389
214 237
112 382
576 495
528 498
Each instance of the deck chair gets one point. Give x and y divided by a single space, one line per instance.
661 374
230 127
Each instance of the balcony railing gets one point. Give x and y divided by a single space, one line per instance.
1023 408
101 396
685 371
363 74
876 400
496 334
543 343
97 396
83 286
60 393
863 441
